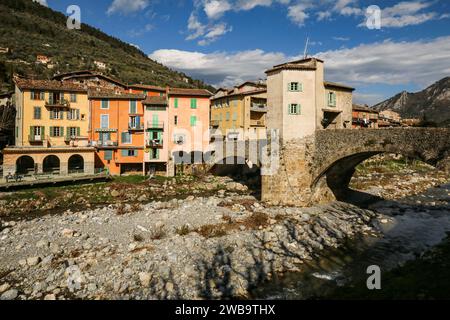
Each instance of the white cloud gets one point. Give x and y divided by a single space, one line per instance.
205 33
297 14
127 6
420 62
42 2
341 38
220 68
215 9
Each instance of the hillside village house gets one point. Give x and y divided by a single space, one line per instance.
300 101
389 118
188 123
42 59
364 117
240 113
51 130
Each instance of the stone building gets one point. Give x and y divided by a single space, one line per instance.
364 117
300 101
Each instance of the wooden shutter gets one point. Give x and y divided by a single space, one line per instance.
51 131
108 154
78 132
124 152
43 132
61 131
176 102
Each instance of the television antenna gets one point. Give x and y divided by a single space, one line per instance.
305 53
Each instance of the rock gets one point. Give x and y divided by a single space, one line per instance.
384 221
4 287
169 287
115 193
9 295
33 261
42 244
68 233
145 278
22 262
50 297
91 287
142 198
190 198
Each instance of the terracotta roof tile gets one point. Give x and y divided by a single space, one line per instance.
107 94
52 85
190 92
159 101
146 87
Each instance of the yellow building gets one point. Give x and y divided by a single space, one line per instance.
51 131
239 113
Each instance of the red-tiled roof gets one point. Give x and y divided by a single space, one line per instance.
190 92
245 93
357 107
107 94
304 64
156 101
337 85
51 85
87 73
146 87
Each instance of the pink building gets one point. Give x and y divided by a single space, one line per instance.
188 121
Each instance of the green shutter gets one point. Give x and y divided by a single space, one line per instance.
42 95
155 120
32 95
108 154
193 103
193 121
176 103
51 131
43 132
31 133
124 153
78 132
61 131
123 137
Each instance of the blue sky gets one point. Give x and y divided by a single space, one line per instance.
228 41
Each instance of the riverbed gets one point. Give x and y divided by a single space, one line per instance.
417 225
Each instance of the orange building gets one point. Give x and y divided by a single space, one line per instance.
117 130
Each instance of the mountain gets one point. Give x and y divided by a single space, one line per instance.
28 29
432 105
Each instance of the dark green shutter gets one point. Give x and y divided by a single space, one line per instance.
61 131
78 132
43 132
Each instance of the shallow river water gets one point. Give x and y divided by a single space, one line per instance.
417 224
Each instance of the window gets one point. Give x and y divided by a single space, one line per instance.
193 121
193 103
175 120
37 113
73 114
332 99
135 122
73 131
73 97
154 154
37 95
235 116
176 103
56 131
126 137
105 136
155 120
56 114
294 108
133 107
104 121
108 155
295 86
227 116
105 104
129 153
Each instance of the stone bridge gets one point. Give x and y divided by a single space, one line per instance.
319 168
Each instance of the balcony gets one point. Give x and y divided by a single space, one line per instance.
136 126
69 138
258 107
57 103
155 125
105 144
257 123
154 143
